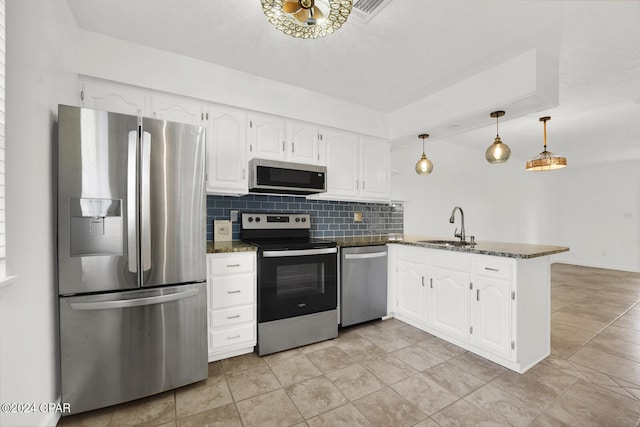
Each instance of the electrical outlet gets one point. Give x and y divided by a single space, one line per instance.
357 217
233 216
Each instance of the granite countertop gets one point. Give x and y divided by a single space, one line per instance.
485 247
232 246
346 242
503 249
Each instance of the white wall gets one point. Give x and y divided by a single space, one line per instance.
461 177
593 211
39 40
598 213
112 59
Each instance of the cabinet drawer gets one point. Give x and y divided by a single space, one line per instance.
489 266
233 336
224 264
232 290
232 316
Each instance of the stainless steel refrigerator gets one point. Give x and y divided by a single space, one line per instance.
131 256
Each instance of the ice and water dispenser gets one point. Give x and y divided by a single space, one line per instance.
96 227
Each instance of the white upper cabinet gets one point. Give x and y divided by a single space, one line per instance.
275 138
341 150
176 109
112 98
226 151
266 137
375 168
358 167
303 141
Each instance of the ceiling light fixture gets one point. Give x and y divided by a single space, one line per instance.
498 152
307 19
424 165
546 160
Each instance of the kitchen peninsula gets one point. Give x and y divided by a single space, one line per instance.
491 298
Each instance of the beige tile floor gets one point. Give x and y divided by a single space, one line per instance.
387 373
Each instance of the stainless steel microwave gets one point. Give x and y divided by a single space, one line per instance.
272 176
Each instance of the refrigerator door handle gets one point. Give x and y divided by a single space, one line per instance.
132 201
136 302
145 201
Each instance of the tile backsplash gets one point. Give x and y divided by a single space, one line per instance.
328 218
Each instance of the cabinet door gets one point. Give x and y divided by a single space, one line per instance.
374 169
226 151
302 143
342 163
176 109
491 314
448 302
116 99
410 281
266 137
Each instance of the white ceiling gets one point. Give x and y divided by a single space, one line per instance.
413 48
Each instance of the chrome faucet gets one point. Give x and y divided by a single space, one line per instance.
452 220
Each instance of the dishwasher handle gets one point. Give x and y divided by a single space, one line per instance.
135 302
365 255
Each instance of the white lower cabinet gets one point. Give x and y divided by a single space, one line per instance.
491 315
492 303
410 277
231 288
496 307
449 282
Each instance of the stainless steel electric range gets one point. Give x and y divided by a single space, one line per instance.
297 281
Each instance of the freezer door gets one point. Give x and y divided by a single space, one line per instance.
127 345
173 203
97 237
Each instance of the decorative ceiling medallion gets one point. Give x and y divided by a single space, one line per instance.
307 19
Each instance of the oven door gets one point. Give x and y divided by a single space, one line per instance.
296 282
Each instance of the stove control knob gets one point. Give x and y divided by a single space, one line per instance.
250 219
297 219
258 219
304 219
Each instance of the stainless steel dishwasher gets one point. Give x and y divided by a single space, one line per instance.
363 281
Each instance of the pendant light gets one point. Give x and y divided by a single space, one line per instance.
498 152
546 160
424 165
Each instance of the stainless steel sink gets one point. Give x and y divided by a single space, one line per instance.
445 242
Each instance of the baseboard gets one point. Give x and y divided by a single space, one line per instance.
595 265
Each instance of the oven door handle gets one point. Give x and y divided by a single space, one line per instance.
301 252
